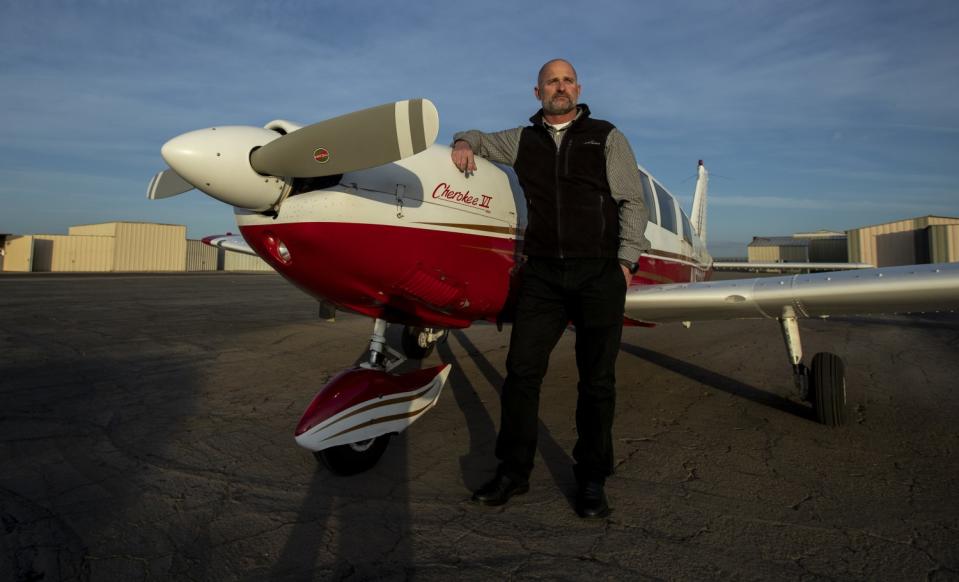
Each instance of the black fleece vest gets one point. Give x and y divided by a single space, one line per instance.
570 211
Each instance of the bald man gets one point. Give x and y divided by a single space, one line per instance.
583 239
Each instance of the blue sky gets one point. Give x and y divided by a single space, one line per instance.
808 114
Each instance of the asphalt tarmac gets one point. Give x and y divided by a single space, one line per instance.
146 434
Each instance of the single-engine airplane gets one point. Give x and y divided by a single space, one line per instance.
366 214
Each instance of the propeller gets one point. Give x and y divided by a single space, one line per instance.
252 167
166 184
355 141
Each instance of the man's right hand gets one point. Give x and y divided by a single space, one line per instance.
463 158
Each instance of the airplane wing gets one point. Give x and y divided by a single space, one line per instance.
740 266
912 288
230 242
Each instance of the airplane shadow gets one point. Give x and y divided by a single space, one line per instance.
330 508
719 381
72 424
479 463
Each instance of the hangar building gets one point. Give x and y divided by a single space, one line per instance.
120 247
821 246
926 239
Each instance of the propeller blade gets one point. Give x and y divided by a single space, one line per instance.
166 184
355 141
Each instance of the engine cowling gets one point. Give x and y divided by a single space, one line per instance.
216 161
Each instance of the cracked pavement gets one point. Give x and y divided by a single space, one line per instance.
146 434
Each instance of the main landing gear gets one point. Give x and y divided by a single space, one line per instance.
350 421
824 384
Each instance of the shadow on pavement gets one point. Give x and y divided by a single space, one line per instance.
82 440
482 428
719 382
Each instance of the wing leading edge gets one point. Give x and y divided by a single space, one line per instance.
911 288
781 267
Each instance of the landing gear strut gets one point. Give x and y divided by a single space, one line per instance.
823 385
381 355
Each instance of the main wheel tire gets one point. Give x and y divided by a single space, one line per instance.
828 389
411 343
355 457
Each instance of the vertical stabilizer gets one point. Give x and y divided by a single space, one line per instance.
699 202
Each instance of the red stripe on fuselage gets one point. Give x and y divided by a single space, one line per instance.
432 278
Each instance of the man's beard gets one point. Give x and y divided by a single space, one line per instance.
559 107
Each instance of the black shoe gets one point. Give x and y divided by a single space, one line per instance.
591 500
499 490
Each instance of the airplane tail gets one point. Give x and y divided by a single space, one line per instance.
699 203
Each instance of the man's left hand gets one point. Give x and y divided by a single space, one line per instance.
626 274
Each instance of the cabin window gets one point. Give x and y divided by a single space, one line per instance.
648 197
687 227
667 210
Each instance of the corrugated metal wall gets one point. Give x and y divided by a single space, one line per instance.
827 250
19 254
201 257
903 242
233 261
944 243
777 254
762 254
142 246
898 248
103 229
150 247
113 246
56 252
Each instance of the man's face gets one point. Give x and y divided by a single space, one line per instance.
557 88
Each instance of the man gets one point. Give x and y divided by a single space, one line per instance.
584 236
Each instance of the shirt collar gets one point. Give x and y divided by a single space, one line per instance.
582 110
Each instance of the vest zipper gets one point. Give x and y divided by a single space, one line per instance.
559 197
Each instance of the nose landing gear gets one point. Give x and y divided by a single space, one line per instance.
350 420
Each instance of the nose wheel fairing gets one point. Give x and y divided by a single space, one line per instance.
362 404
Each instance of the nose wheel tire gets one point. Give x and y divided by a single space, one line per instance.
827 389
355 457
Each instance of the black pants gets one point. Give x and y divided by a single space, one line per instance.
590 293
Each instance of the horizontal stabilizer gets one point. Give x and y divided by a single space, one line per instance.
167 184
230 242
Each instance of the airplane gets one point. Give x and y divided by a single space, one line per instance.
367 214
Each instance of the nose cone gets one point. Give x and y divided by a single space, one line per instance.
184 154
216 161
